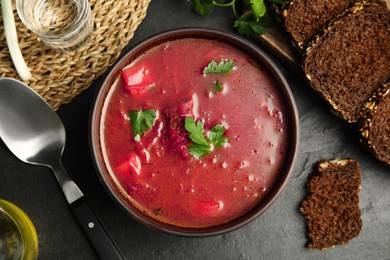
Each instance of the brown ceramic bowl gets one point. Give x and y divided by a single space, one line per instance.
264 62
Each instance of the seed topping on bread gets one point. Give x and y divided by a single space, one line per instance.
375 123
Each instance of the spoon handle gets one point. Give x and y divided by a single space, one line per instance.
93 229
98 236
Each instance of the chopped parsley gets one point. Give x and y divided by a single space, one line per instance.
201 145
198 150
218 86
216 136
141 121
196 131
221 67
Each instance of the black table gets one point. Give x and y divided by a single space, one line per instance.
278 234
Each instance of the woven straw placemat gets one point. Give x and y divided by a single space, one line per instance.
59 76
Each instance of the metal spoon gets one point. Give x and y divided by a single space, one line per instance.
36 135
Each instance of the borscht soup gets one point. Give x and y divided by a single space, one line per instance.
194 133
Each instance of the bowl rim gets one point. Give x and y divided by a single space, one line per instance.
290 106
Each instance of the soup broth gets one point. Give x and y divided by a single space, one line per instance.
163 170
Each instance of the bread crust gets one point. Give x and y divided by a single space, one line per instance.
377 137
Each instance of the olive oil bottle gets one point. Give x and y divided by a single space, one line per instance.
18 238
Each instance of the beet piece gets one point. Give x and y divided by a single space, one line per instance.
177 135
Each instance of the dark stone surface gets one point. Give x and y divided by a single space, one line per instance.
278 234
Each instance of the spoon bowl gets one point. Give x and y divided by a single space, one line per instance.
29 121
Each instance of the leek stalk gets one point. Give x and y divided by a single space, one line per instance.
12 41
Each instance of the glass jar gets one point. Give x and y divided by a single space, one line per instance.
61 24
18 238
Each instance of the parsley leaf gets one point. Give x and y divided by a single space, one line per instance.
258 8
216 136
218 87
203 7
198 150
202 146
221 67
141 121
196 131
249 27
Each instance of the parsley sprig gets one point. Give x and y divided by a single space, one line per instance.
224 66
141 121
201 145
196 131
250 24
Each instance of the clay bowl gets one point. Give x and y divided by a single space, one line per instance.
263 61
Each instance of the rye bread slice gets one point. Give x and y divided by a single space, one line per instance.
332 209
351 58
375 123
303 19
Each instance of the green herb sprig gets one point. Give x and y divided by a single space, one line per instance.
141 121
201 145
224 66
250 24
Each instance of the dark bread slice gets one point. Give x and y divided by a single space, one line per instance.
332 209
375 123
303 19
351 58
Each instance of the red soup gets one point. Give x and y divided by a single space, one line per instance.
194 133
